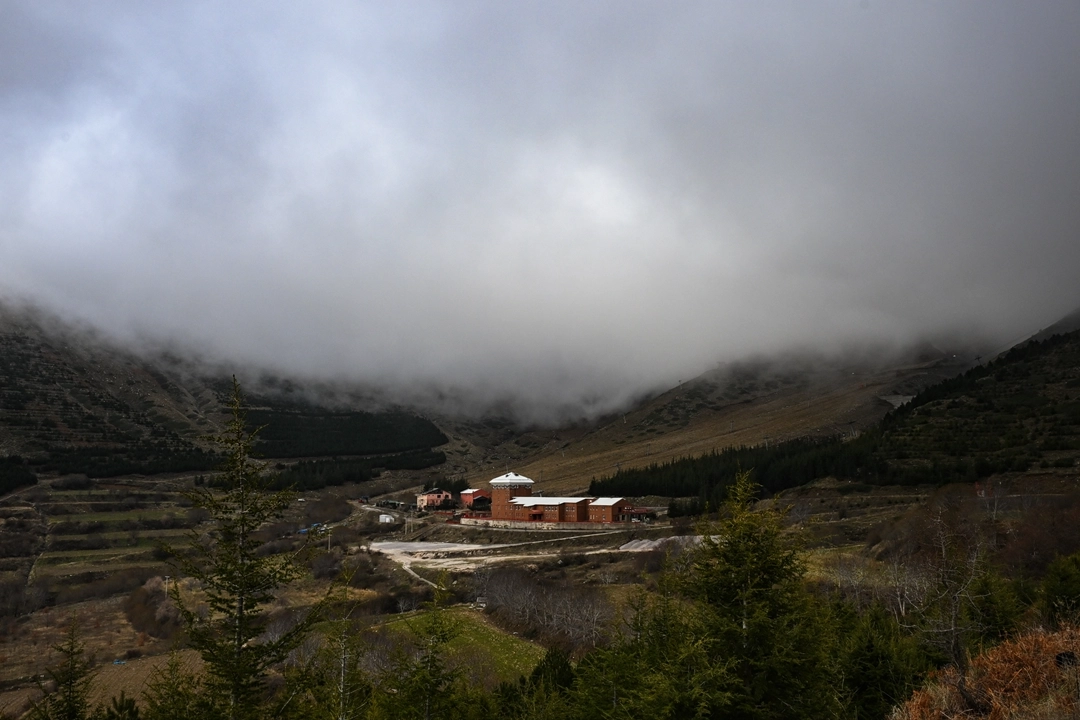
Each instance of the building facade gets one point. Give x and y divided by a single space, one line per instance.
470 496
504 489
433 498
512 499
609 510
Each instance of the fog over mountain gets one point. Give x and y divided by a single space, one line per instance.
555 205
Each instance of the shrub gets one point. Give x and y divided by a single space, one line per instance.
1019 678
1061 591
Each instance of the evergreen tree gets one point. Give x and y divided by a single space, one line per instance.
1061 591
747 581
236 582
669 668
881 665
996 607
174 693
332 684
422 685
120 708
540 696
72 679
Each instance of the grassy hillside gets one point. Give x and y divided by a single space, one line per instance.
479 647
748 403
1019 412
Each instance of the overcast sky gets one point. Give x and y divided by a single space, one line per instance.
553 202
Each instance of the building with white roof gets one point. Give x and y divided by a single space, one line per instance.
512 499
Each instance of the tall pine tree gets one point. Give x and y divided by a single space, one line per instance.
235 580
777 641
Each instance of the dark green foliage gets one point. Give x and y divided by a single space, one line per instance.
996 607
237 582
669 668
553 672
1061 591
314 433
14 474
544 694
333 685
732 632
121 708
72 678
317 474
412 460
421 684
746 579
708 476
686 507
136 457
176 694
995 418
880 664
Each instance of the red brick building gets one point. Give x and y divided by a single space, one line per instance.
468 497
550 509
609 510
505 488
512 499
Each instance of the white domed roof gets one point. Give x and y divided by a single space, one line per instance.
511 479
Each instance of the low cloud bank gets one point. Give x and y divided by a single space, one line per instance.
539 206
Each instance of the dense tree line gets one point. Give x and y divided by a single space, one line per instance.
994 418
146 458
287 434
777 468
317 474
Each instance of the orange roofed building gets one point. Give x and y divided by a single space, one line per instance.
512 499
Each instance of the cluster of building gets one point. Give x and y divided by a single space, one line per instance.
511 499
471 499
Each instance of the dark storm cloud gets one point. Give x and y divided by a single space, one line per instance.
555 204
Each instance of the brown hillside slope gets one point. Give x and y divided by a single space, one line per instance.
745 404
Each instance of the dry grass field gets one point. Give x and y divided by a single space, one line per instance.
107 634
694 418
